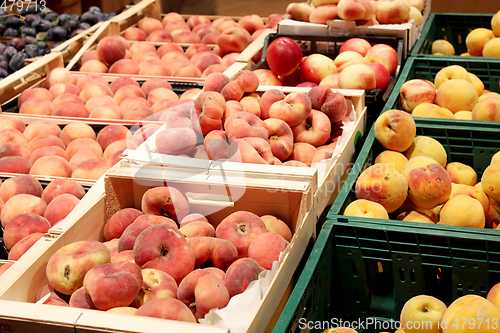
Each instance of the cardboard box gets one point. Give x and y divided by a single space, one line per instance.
123 187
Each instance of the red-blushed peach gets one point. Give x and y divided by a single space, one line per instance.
99 101
293 109
240 228
59 75
20 184
15 164
112 246
44 141
175 140
119 221
233 39
240 274
366 208
162 247
197 228
167 308
101 283
333 104
94 66
414 216
5 267
128 91
429 186
303 152
14 149
277 226
203 291
267 99
12 123
267 77
395 130
211 251
70 109
66 268
315 129
51 165
37 106
61 186
447 96
91 79
83 156
170 201
122 81
493 295
134 33
143 133
48 289
280 138
80 299
20 204
266 249
88 55
111 133
142 222
217 145
160 36
23 225
76 130
24 245
381 183
14 136
160 93
155 284
359 45
127 255
461 173
243 82
415 92
49 150
215 82
124 66
473 307
110 49
317 66
60 207
427 146
357 76
95 90
382 75
37 92
250 150
90 169
324 152
250 103
41 127
210 107
244 124
139 113
193 217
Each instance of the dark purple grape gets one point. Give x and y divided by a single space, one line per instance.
9 51
75 16
17 61
28 32
4 13
56 33
94 9
33 8
52 16
90 18
3 73
63 18
10 32
4 64
2 28
30 18
84 26
31 51
42 26
2 46
41 14
71 25
13 22
41 44
17 42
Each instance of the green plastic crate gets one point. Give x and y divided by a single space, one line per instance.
368 268
427 68
453 27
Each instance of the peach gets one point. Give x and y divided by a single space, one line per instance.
134 33
277 226
450 73
15 164
414 216
315 67
23 225
395 130
88 55
342 59
429 186
415 92
442 46
26 184
12 123
315 129
323 14
333 104
127 255
357 76
37 106
250 150
110 49
251 23
143 133
169 201
41 127
155 284
473 307
197 228
240 228
100 283
76 130
121 82
23 245
160 247
66 268
475 192
352 10
60 207
95 90
240 274
396 159
366 208
80 299
448 97
384 54
233 39
485 109
111 133
82 144
427 146
489 181
433 112
416 162
217 252
461 173
160 36
195 291
37 92
168 47
161 93
359 45
99 101
392 11
280 137
299 11
14 149
477 83
293 109
493 295
244 124
123 66
381 183
266 249
90 169
419 309
51 165
175 141
167 308
303 152
94 66
476 40
120 220
59 75
61 186
463 115
44 141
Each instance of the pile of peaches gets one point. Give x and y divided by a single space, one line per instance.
43 148
454 94
28 210
227 39
164 260
363 12
230 121
412 181
359 65
480 42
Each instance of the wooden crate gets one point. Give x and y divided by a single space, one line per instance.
330 172
123 187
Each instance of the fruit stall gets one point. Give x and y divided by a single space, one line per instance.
330 167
